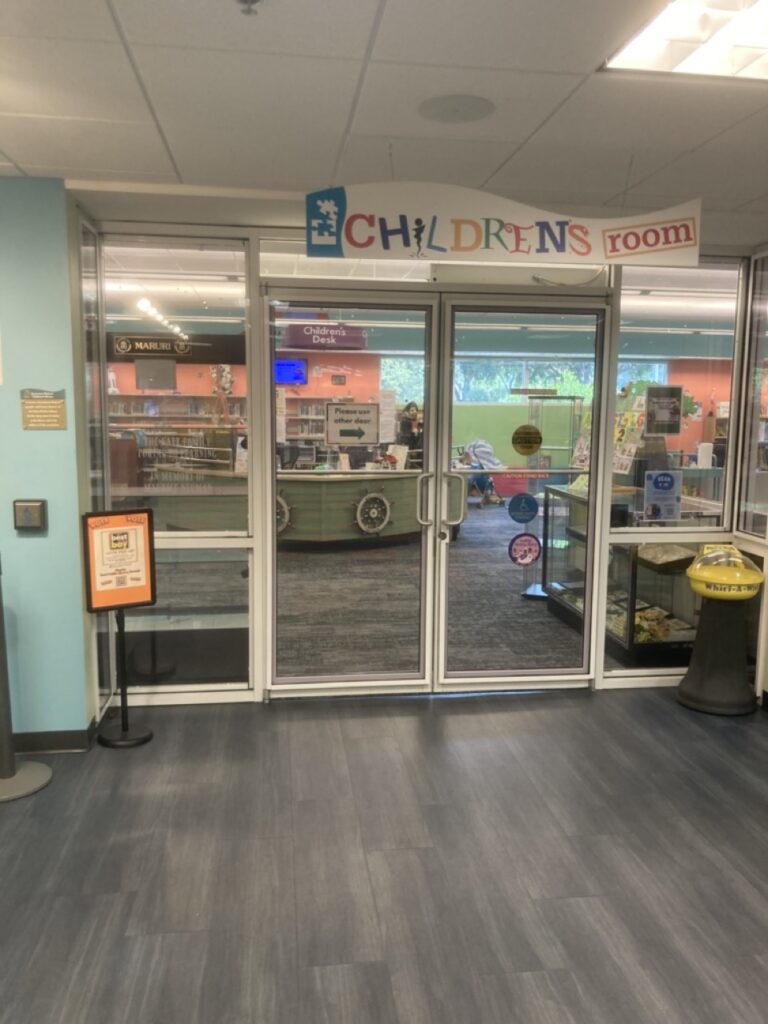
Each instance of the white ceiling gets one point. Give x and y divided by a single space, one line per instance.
309 93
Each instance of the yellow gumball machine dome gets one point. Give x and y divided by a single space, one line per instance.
723 573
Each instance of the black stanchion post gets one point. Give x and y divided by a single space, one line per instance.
28 776
120 573
126 736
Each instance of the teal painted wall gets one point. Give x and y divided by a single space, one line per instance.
41 574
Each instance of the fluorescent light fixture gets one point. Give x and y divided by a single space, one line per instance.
144 305
702 37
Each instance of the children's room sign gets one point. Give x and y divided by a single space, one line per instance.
401 220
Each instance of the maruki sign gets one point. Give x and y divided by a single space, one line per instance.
400 220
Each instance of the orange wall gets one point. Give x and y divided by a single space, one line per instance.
191 379
362 370
709 382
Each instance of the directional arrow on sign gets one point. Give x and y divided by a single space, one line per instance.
358 433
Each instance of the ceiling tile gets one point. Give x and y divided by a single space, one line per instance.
281 26
551 165
255 133
239 158
758 205
68 79
745 230
630 111
52 19
452 161
652 201
560 200
532 35
391 96
218 89
730 168
84 145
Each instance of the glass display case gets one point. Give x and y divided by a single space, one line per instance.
651 611
559 419
564 550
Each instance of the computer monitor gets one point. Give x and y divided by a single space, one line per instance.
290 371
306 457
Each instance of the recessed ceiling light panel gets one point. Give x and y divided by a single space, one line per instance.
702 37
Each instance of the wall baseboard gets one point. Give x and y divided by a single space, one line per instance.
64 742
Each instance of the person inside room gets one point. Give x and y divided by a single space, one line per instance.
479 455
408 432
411 435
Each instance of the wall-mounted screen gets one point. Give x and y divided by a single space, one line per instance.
155 374
290 371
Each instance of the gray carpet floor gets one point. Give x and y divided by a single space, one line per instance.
356 610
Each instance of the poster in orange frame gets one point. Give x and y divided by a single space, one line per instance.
119 559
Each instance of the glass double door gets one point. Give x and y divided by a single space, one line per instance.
433 492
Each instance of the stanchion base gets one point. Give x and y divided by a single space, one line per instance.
535 592
115 737
745 706
30 776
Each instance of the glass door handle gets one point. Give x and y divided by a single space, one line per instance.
419 490
462 504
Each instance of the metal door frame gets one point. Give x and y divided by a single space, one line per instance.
533 303
441 302
373 297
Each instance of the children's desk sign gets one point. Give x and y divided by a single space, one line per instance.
120 573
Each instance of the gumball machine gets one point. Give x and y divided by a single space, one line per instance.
717 680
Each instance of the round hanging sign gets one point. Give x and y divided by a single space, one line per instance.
526 440
523 508
524 549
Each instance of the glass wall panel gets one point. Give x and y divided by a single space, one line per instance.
197 633
674 394
753 515
94 411
177 383
652 612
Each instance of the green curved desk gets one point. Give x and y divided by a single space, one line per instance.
322 507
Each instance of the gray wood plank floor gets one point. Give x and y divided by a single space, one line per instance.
559 859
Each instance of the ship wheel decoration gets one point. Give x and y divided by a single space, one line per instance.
283 513
373 512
